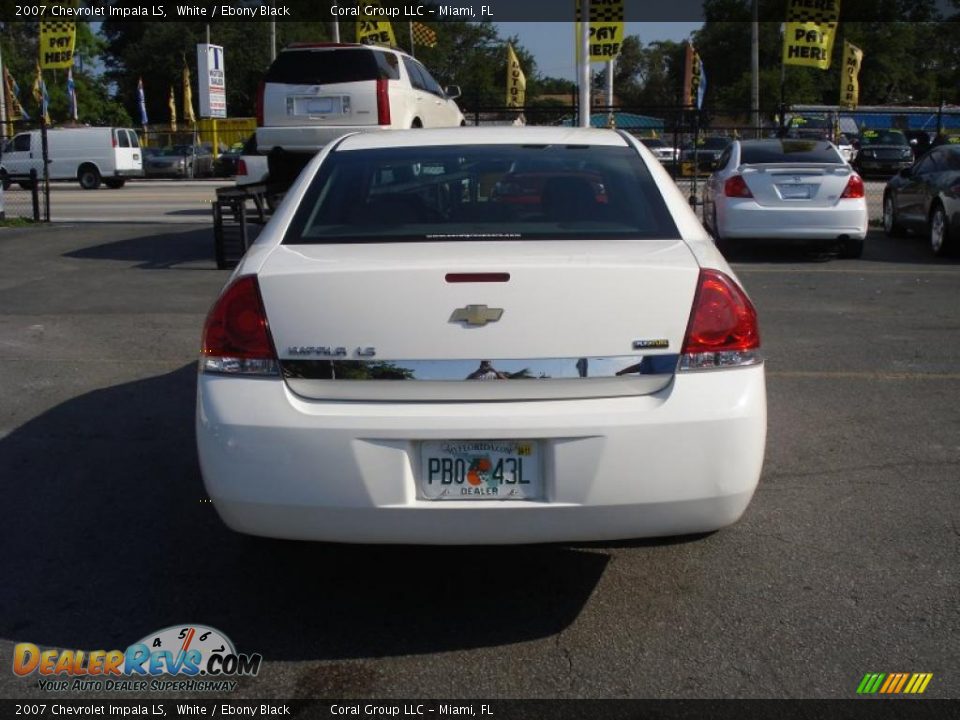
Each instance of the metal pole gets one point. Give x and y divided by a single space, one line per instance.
413 48
755 69
611 118
583 72
3 100
273 40
208 33
336 31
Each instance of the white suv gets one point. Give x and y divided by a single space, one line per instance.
314 93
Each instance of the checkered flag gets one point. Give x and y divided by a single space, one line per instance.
57 27
797 13
423 35
602 10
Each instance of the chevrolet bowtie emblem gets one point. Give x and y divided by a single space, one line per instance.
476 314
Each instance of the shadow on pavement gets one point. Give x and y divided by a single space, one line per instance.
878 248
110 539
156 250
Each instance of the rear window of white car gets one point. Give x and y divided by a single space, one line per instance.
332 66
789 151
481 192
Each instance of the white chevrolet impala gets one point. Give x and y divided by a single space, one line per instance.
505 335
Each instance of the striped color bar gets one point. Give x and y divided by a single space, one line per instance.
894 683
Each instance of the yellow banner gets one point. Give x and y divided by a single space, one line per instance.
57 40
606 29
516 81
172 104
376 33
809 32
850 75
188 115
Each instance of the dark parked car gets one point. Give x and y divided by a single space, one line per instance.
882 152
707 152
926 198
183 161
919 140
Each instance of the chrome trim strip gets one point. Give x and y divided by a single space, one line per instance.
628 366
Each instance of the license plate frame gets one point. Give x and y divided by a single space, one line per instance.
795 192
480 470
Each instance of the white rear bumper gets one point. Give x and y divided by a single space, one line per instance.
684 460
747 219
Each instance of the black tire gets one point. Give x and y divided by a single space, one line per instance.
25 185
851 248
940 241
115 183
891 225
5 180
416 124
726 246
89 177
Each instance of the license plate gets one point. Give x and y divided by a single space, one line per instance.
323 106
794 192
480 470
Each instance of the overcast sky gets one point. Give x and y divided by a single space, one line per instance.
552 43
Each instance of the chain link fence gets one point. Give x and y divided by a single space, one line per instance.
23 195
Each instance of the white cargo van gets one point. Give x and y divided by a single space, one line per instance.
87 155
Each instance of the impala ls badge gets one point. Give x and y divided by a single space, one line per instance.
476 314
650 344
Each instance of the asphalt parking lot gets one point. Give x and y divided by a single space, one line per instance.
845 563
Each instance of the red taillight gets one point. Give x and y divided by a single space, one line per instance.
854 188
383 101
242 167
258 106
236 337
736 187
723 330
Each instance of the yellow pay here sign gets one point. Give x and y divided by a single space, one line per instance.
809 32
606 29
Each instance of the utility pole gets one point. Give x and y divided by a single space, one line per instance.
583 71
755 69
3 100
273 40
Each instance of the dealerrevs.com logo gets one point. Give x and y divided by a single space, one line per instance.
203 655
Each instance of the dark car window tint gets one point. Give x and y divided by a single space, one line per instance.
789 151
715 143
487 192
951 159
883 137
431 85
134 140
652 142
927 164
324 67
388 65
413 70
21 143
723 159
123 140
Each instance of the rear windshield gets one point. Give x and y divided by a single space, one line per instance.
485 192
330 66
883 137
789 151
652 142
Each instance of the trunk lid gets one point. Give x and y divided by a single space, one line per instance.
796 185
578 319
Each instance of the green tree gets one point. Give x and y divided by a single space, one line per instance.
95 104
